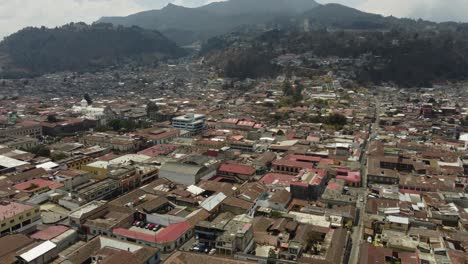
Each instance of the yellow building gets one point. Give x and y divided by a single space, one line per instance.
15 215
97 170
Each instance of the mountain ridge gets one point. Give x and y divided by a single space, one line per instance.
78 46
213 19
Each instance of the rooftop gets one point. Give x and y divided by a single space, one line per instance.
9 208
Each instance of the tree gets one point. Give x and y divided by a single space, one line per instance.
88 99
297 95
464 122
287 88
336 120
39 150
52 119
151 108
271 257
58 156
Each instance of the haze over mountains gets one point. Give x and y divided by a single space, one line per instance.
186 25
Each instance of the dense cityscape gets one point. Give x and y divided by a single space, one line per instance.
176 163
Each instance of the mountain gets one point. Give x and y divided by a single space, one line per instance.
187 25
405 52
338 16
78 47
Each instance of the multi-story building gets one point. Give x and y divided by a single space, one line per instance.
18 142
114 142
25 129
194 123
15 215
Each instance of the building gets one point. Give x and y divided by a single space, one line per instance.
71 178
236 172
32 129
10 244
97 169
310 184
41 254
96 191
237 236
115 142
102 249
18 142
189 171
37 186
159 136
351 178
293 164
167 239
16 215
76 162
194 123
8 164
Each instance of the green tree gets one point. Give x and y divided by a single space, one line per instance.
39 150
151 108
464 122
287 88
88 99
58 156
52 119
336 120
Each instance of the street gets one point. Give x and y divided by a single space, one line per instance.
358 230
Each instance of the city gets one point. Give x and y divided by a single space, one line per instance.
175 163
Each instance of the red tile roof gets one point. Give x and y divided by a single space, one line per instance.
162 149
293 163
278 179
13 208
237 169
230 120
246 123
38 184
49 233
172 232
168 234
352 176
303 158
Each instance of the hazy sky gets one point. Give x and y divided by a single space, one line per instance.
16 14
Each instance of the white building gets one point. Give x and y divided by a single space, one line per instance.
101 114
194 123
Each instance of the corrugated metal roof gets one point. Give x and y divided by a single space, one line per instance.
195 190
38 251
213 201
10 163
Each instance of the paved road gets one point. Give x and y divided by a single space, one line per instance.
359 229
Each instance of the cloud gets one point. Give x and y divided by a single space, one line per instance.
434 10
17 14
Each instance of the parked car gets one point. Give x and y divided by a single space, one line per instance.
147 226
212 251
135 223
202 248
142 224
155 228
151 226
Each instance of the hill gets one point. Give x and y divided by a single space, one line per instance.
80 47
401 55
187 25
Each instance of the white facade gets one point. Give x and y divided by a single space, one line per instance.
194 123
